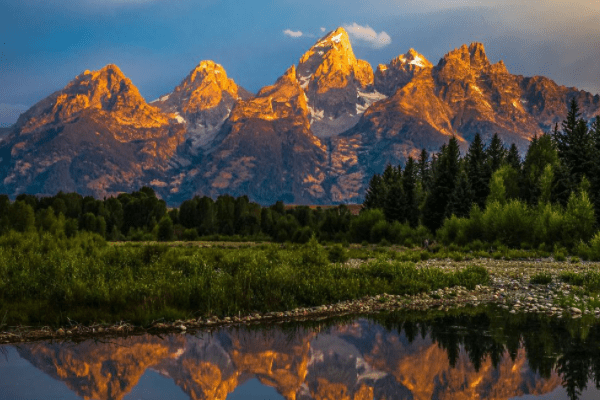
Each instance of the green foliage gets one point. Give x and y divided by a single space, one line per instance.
497 190
579 219
21 216
165 229
541 278
361 226
444 181
44 279
337 254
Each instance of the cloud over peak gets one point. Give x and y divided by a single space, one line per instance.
368 35
293 34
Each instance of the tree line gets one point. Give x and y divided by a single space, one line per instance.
141 215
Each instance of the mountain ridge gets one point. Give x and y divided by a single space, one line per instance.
315 136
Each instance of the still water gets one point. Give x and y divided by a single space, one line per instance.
484 355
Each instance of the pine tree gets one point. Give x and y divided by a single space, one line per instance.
575 145
513 159
563 184
595 172
409 186
391 175
496 153
424 170
376 193
462 198
394 204
478 171
445 176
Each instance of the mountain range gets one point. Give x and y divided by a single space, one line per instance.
316 136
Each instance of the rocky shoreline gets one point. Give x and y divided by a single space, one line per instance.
509 287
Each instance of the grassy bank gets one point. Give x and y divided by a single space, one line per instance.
50 280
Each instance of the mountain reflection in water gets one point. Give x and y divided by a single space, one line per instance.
483 356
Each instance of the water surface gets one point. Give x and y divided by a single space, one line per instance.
486 355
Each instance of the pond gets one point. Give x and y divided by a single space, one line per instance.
478 354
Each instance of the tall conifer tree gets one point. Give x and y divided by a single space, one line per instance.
409 186
595 173
478 171
394 204
496 153
513 159
446 171
376 192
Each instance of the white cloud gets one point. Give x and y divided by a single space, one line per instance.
323 29
291 33
368 35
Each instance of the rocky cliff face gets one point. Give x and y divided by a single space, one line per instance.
203 101
265 148
96 136
339 87
316 136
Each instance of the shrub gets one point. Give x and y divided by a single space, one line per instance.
595 247
190 235
572 278
559 255
302 235
380 231
337 254
361 226
384 242
592 282
456 256
542 278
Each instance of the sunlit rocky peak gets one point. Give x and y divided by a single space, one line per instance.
399 71
331 64
107 90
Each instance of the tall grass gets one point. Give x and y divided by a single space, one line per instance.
45 279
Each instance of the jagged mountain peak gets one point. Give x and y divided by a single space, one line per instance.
338 86
208 70
107 90
280 100
104 88
107 69
202 89
203 101
412 59
473 56
289 76
390 77
338 39
330 63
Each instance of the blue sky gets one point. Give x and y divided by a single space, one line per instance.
46 43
